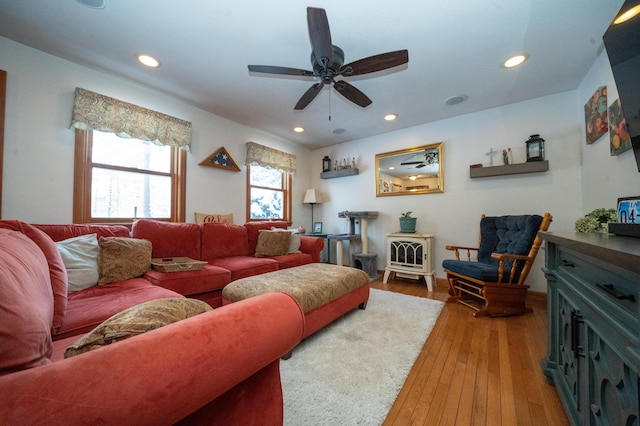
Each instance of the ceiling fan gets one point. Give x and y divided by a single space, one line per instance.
327 63
430 157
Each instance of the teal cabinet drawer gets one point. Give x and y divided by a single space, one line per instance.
617 292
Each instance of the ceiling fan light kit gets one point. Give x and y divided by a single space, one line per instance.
327 63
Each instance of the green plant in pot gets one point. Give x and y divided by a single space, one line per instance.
408 223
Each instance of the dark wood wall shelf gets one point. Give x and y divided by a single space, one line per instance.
352 171
510 169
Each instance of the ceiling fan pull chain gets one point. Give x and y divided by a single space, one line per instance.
330 105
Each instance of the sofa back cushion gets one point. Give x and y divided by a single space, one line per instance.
64 232
223 240
57 270
169 239
253 230
26 303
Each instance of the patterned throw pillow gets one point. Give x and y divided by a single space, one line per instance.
294 243
137 320
272 243
213 218
123 258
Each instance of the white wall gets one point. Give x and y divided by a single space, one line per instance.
39 146
580 178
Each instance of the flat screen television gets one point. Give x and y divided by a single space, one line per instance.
622 42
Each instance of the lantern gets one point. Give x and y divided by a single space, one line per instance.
326 164
535 148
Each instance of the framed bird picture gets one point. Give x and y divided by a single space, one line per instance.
221 160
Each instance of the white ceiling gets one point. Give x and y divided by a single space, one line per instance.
455 48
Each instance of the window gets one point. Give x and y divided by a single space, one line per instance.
117 180
268 194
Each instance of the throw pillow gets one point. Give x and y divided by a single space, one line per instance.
123 258
272 243
80 258
137 320
213 218
294 244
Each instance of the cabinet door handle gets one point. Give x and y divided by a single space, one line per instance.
576 319
610 289
566 263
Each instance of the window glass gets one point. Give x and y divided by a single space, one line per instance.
131 153
269 196
118 194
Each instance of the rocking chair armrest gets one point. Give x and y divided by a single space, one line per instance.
503 256
458 248
461 248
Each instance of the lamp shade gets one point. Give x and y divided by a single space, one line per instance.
312 196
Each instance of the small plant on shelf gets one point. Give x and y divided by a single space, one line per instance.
596 221
407 214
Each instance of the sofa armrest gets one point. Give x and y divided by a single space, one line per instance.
162 376
312 246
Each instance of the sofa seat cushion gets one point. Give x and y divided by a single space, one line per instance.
169 239
223 240
137 320
292 260
191 282
26 304
245 266
87 308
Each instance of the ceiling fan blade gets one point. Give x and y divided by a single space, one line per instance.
409 163
351 93
375 63
421 166
268 69
319 34
308 96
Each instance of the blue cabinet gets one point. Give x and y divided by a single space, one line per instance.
593 355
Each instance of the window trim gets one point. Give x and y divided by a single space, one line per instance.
83 175
287 185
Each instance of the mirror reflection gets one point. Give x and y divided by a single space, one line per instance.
410 171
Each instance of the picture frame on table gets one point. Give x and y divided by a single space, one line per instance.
317 227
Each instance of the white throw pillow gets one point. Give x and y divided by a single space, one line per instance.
80 258
294 243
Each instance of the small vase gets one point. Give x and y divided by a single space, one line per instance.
408 225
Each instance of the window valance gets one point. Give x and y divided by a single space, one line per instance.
271 158
93 111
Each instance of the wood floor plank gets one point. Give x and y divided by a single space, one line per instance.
477 371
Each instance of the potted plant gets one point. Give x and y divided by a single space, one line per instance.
597 221
408 223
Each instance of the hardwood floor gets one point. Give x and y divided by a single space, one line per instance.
477 371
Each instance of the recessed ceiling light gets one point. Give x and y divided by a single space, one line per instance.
413 177
298 129
454 100
516 60
390 117
93 4
627 15
148 60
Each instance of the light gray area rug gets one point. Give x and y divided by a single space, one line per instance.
351 372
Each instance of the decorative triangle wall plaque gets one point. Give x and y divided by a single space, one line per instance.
222 160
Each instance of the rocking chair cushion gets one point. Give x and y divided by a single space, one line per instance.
499 234
480 271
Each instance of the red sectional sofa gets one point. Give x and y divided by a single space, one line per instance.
39 319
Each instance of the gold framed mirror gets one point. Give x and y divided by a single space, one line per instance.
410 171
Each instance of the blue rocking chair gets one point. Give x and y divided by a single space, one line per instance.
493 284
